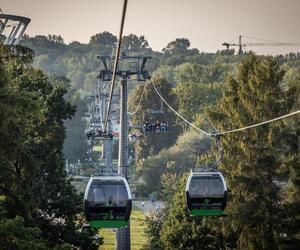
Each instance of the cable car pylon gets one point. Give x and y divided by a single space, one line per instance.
127 67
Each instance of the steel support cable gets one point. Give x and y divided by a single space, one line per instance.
98 103
140 101
191 124
115 64
258 124
228 131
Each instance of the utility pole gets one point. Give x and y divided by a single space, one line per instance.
131 66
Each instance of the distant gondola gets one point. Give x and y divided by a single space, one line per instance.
107 202
206 193
136 136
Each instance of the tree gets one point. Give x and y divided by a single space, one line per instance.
56 39
197 73
75 144
164 72
291 166
189 73
150 103
175 228
177 52
14 235
103 42
159 170
33 179
180 45
193 98
133 43
153 223
253 158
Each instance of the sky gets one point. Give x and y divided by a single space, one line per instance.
206 23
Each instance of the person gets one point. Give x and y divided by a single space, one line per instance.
157 127
98 194
146 126
143 204
98 132
163 126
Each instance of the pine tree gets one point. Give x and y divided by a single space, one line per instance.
253 158
182 231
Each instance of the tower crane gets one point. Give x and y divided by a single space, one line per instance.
241 44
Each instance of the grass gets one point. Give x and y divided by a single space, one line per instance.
138 239
97 148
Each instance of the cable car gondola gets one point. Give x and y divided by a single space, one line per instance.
107 202
158 127
206 193
135 136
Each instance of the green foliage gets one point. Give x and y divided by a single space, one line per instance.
180 45
32 176
164 72
189 73
253 158
104 42
194 97
153 143
197 73
134 44
45 44
153 224
259 216
78 61
14 235
75 144
177 229
158 169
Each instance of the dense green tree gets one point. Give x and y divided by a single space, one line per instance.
178 51
194 97
253 158
32 176
175 228
75 144
197 73
103 43
44 44
158 170
189 73
153 223
14 235
291 165
149 110
180 45
56 39
165 72
133 43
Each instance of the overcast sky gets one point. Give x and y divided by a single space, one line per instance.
206 23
